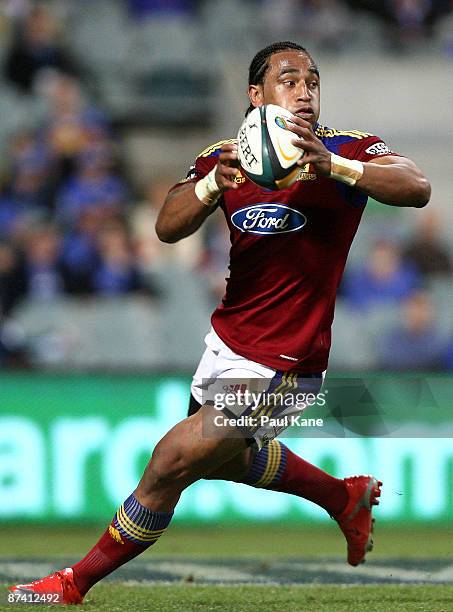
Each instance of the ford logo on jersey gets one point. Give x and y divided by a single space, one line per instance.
268 218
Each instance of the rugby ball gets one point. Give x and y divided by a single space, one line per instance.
265 151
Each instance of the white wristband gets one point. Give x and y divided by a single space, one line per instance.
345 170
207 190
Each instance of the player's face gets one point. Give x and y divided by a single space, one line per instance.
291 81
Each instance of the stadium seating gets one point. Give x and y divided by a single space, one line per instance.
123 332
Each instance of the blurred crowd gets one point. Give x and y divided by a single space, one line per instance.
412 279
73 224
402 22
65 202
327 23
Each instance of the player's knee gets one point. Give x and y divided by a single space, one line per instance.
169 469
234 469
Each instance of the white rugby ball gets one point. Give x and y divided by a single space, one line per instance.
265 151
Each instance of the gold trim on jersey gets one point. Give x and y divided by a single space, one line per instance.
324 132
321 131
207 152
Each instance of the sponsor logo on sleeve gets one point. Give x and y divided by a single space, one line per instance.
379 148
305 174
239 178
268 218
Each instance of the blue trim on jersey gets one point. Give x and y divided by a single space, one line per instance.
215 153
334 143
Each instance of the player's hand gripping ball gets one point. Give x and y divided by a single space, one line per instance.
265 151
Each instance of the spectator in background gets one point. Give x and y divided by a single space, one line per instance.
50 272
31 175
45 277
35 48
417 343
117 271
26 194
385 278
72 124
79 253
426 249
94 187
13 214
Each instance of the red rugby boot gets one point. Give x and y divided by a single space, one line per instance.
356 521
58 588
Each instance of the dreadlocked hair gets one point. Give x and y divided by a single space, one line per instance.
260 63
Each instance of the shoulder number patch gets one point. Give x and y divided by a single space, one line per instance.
379 148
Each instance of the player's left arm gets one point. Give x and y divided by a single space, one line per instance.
396 181
391 179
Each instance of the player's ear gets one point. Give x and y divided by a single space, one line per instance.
256 95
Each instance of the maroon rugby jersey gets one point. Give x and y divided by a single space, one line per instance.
288 252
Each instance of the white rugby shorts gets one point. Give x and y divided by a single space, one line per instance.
263 401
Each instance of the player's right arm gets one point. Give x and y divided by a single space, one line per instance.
187 206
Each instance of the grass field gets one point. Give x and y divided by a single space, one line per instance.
275 540
116 597
253 568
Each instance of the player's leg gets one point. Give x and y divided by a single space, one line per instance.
349 501
182 456
277 468
282 470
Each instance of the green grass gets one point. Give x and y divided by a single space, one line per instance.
258 541
317 541
187 598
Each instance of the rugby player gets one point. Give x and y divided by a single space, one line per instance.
274 321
